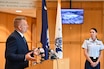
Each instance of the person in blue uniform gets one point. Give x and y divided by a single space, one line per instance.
17 54
92 50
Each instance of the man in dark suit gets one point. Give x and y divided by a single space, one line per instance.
17 54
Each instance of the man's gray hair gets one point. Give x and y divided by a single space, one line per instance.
18 19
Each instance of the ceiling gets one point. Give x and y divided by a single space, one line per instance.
28 7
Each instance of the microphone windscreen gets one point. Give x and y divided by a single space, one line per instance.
41 50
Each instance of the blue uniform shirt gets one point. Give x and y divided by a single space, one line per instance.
93 47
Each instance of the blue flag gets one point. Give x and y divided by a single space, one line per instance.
44 32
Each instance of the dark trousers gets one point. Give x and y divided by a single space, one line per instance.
88 65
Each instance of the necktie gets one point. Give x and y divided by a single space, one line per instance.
25 42
24 39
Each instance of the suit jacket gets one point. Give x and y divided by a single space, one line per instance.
15 52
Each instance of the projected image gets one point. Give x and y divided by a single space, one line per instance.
72 16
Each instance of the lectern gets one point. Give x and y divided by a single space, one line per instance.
52 64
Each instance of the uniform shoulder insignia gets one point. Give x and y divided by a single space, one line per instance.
87 39
98 39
